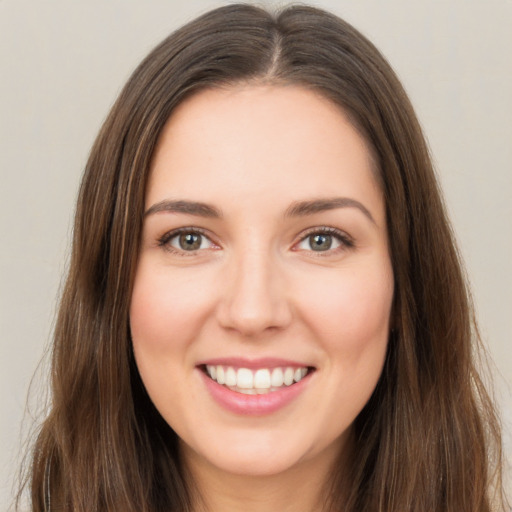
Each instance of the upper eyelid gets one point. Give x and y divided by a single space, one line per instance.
169 235
325 230
187 229
345 240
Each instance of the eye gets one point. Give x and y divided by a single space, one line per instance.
186 240
324 240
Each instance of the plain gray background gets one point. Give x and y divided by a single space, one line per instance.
63 63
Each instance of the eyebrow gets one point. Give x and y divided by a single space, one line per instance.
188 207
296 209
303 208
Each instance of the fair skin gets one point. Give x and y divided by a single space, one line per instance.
280 265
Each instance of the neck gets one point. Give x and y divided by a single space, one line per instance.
303 488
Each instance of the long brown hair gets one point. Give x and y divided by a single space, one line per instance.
428 440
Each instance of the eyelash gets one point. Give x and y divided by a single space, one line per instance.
345 241
164 240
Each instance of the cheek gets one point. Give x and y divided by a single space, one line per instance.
165 318
165 308
349 313
350 309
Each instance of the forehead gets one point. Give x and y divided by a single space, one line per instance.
285 140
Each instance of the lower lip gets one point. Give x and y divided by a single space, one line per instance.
254 405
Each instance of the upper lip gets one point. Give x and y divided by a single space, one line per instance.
262 362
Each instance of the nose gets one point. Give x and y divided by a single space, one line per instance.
254 298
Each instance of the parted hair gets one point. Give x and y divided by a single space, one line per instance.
427 440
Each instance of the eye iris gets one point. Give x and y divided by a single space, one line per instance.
190 241
320 242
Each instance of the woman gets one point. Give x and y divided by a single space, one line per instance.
265 307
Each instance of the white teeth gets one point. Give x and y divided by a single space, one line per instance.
251 382
288 376
244 378
250 391
262 379
231 377
277 378
220 375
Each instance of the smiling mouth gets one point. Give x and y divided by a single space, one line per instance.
259 381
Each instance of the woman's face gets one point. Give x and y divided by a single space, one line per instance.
264 261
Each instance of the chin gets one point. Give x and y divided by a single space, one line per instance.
260 454
253 462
